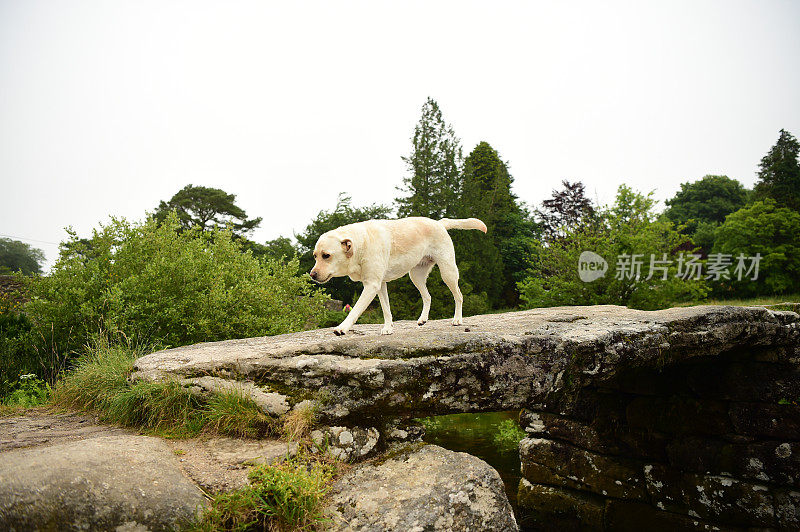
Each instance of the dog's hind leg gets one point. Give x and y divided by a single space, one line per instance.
449 272
383 296
419 276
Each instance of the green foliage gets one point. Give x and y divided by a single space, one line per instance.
772 231
210 209
18 356
628 227
284 497
280 249
700 207
508 436
27 391
16 256
434 186
779 174
153 283
343 214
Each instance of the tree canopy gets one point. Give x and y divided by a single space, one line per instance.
566 210
207 208
16 256
492 261
709 199
779 173
434 185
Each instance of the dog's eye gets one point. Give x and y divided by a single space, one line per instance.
326 256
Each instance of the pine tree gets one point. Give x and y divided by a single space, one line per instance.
780 173
434 186
492 263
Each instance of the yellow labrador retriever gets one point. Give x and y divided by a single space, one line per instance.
378 251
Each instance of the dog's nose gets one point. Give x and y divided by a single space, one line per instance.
313 274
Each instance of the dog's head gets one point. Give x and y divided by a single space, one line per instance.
332 255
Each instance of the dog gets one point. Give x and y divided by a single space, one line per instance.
378 251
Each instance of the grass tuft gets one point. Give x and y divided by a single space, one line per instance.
297 424
233 414
99 384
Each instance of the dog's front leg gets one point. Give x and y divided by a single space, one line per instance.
367 295
383 295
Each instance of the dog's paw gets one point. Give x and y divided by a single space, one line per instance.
387 329
458 321
339 331
421 322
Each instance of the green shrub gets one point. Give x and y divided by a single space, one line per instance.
146 283
27 391
18 354
283 497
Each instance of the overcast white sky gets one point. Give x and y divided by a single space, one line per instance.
108 107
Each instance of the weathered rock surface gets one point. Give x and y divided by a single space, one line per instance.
346 443
494 362
219 464
425 488
69 472
102 482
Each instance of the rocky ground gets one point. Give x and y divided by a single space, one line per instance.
70 472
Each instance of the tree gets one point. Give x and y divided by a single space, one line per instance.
779 173
434 186
16 256
619 232
207 208
344 213
699 207
491 262
280 248
771 231
565 211
709 199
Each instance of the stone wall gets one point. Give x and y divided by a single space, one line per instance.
706 444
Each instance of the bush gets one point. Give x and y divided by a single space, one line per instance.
283 497
27 391
18 355
627 227
148 283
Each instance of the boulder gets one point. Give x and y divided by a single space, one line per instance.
126 482
423 488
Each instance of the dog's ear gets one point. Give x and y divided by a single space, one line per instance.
347 246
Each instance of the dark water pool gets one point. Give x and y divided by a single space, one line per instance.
481 435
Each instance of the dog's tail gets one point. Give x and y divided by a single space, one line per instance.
464 223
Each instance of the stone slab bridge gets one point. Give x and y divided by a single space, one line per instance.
682 418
